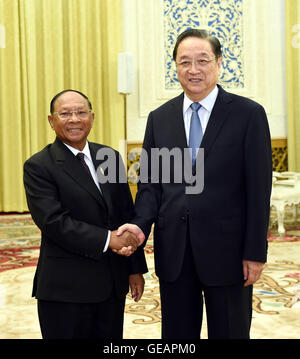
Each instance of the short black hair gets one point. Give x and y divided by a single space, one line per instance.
52 103
202 34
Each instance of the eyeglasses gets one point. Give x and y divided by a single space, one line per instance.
201 63
66 115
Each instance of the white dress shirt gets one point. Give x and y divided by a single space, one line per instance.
89 162
204 112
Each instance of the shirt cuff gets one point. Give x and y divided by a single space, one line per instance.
107 242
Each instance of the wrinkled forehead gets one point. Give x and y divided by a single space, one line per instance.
194 46
70 100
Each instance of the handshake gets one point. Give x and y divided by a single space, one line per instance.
126 239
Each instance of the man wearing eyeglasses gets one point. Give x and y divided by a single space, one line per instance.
213 243
80 283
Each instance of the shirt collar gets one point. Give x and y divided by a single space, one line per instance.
208 102
86 150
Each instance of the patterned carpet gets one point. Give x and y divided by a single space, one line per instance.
276 301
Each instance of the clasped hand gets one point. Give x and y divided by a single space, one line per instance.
126 239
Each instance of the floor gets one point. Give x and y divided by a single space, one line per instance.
276 301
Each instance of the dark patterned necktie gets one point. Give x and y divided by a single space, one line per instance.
80 157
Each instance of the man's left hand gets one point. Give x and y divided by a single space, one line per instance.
252 271
137 283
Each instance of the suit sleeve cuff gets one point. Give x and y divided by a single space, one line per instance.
107 242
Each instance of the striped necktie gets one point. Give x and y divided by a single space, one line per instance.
196 133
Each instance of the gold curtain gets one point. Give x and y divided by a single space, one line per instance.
47 46
292 11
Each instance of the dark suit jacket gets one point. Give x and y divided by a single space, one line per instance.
74 219
228 221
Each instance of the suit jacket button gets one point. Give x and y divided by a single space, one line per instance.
182 218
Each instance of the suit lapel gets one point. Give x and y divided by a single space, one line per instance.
69 163
216 120
177 126
97 164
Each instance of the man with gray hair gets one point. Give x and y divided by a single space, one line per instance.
213 243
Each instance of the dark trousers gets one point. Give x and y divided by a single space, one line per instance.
82 321
228 308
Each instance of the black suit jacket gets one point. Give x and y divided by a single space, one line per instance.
228 221
74 219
